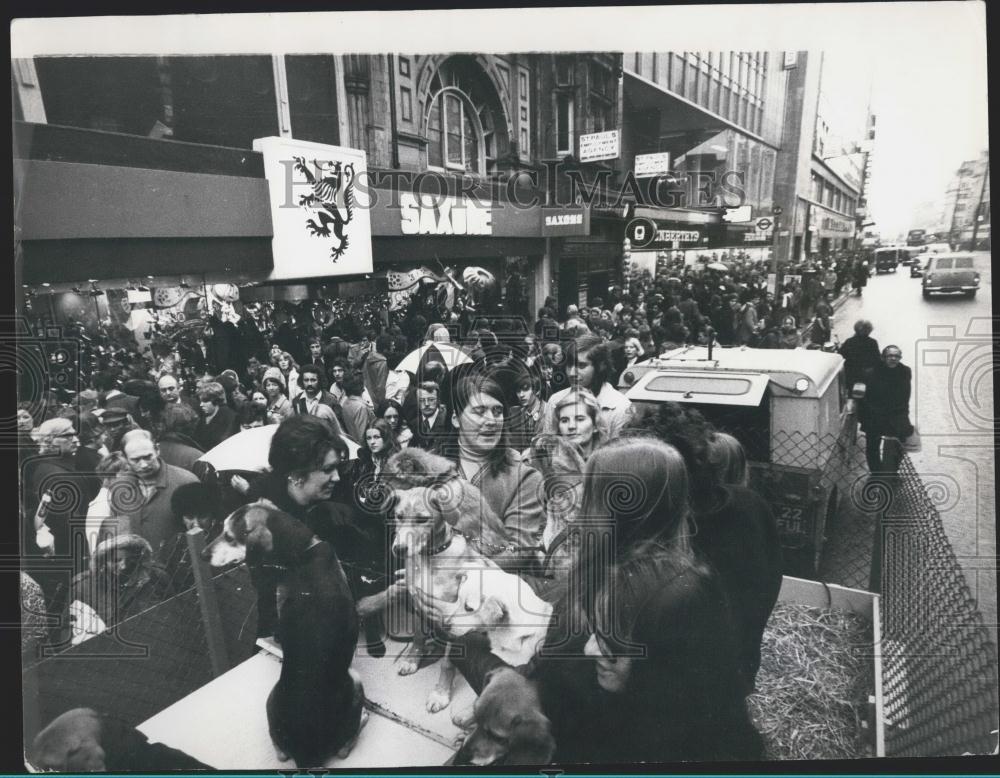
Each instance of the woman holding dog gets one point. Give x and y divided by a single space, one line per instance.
305 459
480 449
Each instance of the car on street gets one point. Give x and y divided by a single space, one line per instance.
889 258
951 274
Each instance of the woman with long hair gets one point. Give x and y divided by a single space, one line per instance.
734 527
665 659
392 412
379 443
290 372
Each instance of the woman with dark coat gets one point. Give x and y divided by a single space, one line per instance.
860 353
734 528
665 662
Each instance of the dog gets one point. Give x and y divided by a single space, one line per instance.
83 740
447 533
316 709
510 727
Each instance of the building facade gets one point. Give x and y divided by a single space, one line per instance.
719 115
163 130
965 215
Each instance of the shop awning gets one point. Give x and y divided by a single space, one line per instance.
691 123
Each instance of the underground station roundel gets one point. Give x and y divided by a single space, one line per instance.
641 232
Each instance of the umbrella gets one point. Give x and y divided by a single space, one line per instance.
717 266
450 355
248 450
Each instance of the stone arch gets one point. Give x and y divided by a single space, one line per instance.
482 71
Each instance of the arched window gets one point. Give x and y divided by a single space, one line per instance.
461 131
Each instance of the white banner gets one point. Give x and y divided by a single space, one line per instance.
322 224
649 165
600 145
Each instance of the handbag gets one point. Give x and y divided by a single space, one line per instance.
913 443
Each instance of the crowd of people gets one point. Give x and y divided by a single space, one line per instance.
696 562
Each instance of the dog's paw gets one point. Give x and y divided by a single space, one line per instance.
282 756
345 750
464 719
438 699
408 665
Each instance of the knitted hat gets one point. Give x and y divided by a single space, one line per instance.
274 374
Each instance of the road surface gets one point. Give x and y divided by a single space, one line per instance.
948 343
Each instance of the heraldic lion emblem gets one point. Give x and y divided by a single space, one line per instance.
332 195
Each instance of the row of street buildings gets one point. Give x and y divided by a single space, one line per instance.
961 216
144 167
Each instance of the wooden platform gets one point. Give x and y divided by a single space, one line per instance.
224 723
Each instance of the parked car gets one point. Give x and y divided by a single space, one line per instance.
951 274
789 409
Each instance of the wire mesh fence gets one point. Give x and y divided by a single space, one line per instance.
137 666
939 657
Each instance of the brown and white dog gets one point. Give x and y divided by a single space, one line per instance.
447 533
316 709
83 740
510 726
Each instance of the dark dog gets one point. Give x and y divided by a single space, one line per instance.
316 709
510 727
85 741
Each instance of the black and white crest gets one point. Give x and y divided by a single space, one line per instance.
331 199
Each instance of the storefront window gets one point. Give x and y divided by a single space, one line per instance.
312 100
115 94
223 100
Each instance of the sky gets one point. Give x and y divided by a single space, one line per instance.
923 63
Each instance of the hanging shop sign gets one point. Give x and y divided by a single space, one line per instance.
561 222
650 165
596 146
321 219
430 215
646 234
831 224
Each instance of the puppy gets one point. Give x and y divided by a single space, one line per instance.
510 727
85 741
316 709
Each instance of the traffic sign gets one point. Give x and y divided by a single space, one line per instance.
763 224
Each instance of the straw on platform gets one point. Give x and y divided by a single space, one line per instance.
813 685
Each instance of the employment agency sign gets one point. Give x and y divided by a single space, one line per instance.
321 219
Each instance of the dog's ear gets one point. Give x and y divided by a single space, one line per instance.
530 740
254 523
492 611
